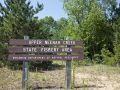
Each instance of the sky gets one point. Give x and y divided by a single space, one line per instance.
118 1
52 8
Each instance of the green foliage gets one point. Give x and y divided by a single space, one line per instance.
3 56
91 22
45 65
47 27
17 16
85 62
117 54
97 24
59 29
108 57
69 31
17 19
117 48
77 9
116 27
96 32
97 59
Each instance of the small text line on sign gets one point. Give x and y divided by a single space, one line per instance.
44 42
44 49
43 57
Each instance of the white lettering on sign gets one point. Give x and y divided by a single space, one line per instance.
36 58
66 49
49 49
71 58
35 42
29 49
54 57
69 42
52 42
44 57
19 58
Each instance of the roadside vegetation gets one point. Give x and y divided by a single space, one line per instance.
95 22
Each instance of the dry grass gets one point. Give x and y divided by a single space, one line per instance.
10 80
97 77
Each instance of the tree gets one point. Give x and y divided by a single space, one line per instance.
18 19
46 29
91 19
97 32
116 26
59 28
17 16
77 9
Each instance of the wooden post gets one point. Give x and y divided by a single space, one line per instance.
68 73
25 71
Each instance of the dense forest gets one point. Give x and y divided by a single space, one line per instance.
95 22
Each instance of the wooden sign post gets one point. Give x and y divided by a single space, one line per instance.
25 50
68 72
68 75
25 72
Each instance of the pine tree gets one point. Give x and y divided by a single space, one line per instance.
17 16
16 19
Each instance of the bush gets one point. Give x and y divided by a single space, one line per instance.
108 57
86 62
40 64
97 59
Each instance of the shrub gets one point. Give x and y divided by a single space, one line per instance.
108 57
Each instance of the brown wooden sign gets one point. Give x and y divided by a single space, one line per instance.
44 57
44 42
35 49
44 49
